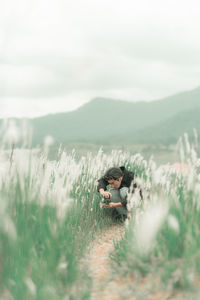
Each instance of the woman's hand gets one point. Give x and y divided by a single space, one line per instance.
113 205
106 195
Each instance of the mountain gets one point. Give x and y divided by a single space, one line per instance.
168 131
107 120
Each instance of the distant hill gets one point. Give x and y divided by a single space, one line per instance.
102 120
168 131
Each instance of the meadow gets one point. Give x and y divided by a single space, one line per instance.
50 213
162 239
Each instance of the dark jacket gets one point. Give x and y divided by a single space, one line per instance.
126 181
128 177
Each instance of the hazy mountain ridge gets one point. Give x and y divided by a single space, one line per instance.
103 120
168 131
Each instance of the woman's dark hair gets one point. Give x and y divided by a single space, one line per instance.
113 173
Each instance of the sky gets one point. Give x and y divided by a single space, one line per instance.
58 55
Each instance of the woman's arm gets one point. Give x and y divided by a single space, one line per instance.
113 205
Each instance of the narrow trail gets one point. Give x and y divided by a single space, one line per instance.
103 285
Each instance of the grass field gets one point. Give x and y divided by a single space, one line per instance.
50 213
162 237
161 153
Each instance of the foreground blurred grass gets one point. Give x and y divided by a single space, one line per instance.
39 253
162 238
49 213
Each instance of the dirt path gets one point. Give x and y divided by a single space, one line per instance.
103 285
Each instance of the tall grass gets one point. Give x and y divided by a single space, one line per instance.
43 233
49 213
162 236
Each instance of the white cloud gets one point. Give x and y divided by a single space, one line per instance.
29 107
75 50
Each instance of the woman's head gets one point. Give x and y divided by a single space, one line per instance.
114 177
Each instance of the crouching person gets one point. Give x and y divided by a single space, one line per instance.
120 181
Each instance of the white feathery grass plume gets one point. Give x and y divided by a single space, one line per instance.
148 226
12 134
8 228
138 157
26 163
180 149
62 266
194 157
48 141
173 223
45 181
138 181
134 200
26 134
160 175
30 285
6 224
195 137
191 179
63 202
126 223
187 143
198 163
96 164
4 167
152 164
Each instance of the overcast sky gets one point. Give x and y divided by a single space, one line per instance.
56 55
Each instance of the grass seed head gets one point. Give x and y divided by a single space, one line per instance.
149 225
12 134
9 228
31 286
173 223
